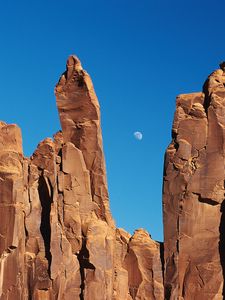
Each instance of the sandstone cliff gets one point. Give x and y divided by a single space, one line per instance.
58 239
57 236
193 195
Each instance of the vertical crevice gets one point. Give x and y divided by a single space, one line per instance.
46 199
161 249
168 289
178 233
222 242
83 258
170 278
207 96
60 155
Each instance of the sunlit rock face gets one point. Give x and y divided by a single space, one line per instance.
58 239
193 195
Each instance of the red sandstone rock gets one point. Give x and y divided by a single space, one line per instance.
144 255
80 119
57 237
12 235
193 200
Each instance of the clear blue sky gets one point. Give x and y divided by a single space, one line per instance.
140 55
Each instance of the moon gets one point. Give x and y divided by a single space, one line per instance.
138 135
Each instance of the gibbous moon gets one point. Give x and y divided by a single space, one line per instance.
138 135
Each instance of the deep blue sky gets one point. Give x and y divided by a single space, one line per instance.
140 55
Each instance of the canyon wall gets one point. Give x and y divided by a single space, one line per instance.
193 195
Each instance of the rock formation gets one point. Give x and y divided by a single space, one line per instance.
193 195
57 236
58 240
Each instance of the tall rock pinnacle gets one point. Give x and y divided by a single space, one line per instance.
193 195
58 240
79 113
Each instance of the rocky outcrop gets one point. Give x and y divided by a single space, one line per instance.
79 113
57 236
193 195
12 195
58 239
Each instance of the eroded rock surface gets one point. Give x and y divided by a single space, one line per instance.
80 118
57 236
193 202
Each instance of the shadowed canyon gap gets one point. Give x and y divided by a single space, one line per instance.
58 239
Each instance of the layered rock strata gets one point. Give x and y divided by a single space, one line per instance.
193 195
57 236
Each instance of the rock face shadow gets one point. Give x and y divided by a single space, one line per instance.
222 242
45 228
83 258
